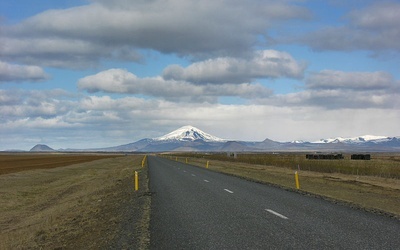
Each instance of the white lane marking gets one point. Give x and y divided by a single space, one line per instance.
184 171
206 181
277 214
193 175
229 191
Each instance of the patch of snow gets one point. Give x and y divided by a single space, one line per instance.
297 141
189 133
358 139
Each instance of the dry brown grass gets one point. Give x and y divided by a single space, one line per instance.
73 207
373 193
12 163
385 165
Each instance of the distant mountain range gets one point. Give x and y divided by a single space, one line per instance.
192 139
356 140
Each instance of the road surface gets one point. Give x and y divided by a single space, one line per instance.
194 208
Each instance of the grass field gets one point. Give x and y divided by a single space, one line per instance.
371 190
11 163
77 206
386 165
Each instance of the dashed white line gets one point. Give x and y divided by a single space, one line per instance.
184 171
229 191
277 214
193 175
206 181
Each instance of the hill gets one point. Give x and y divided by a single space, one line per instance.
41 148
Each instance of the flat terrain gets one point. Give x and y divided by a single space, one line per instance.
87 201
12 163
90 205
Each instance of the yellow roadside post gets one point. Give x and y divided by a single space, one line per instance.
207 164
176 158
186 160
296 178
136 181
144 161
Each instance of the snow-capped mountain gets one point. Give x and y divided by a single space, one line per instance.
356 140
188 133
192 139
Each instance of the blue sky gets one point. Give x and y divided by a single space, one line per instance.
87 74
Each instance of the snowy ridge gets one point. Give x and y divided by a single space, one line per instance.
297 142
188 133
355 140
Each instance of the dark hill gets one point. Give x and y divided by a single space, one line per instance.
41 148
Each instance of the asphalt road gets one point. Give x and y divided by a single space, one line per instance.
194 208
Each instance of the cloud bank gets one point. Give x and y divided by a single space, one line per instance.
263 64
33 117
373 28
78 38
21 73
122 81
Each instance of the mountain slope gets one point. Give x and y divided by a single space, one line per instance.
186 138
41 148
188 133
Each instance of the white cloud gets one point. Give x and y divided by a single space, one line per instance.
326 89
380 15
374 28
331 89
122 81
101 30
62 52
203 81
20 73
338 99
17 104
263 64
360 81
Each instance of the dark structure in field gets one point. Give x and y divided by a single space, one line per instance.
324 156
361 157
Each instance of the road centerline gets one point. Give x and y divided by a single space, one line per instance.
276 214
229 191
206 181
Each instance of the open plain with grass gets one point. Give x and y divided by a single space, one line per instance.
86 205
87 201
